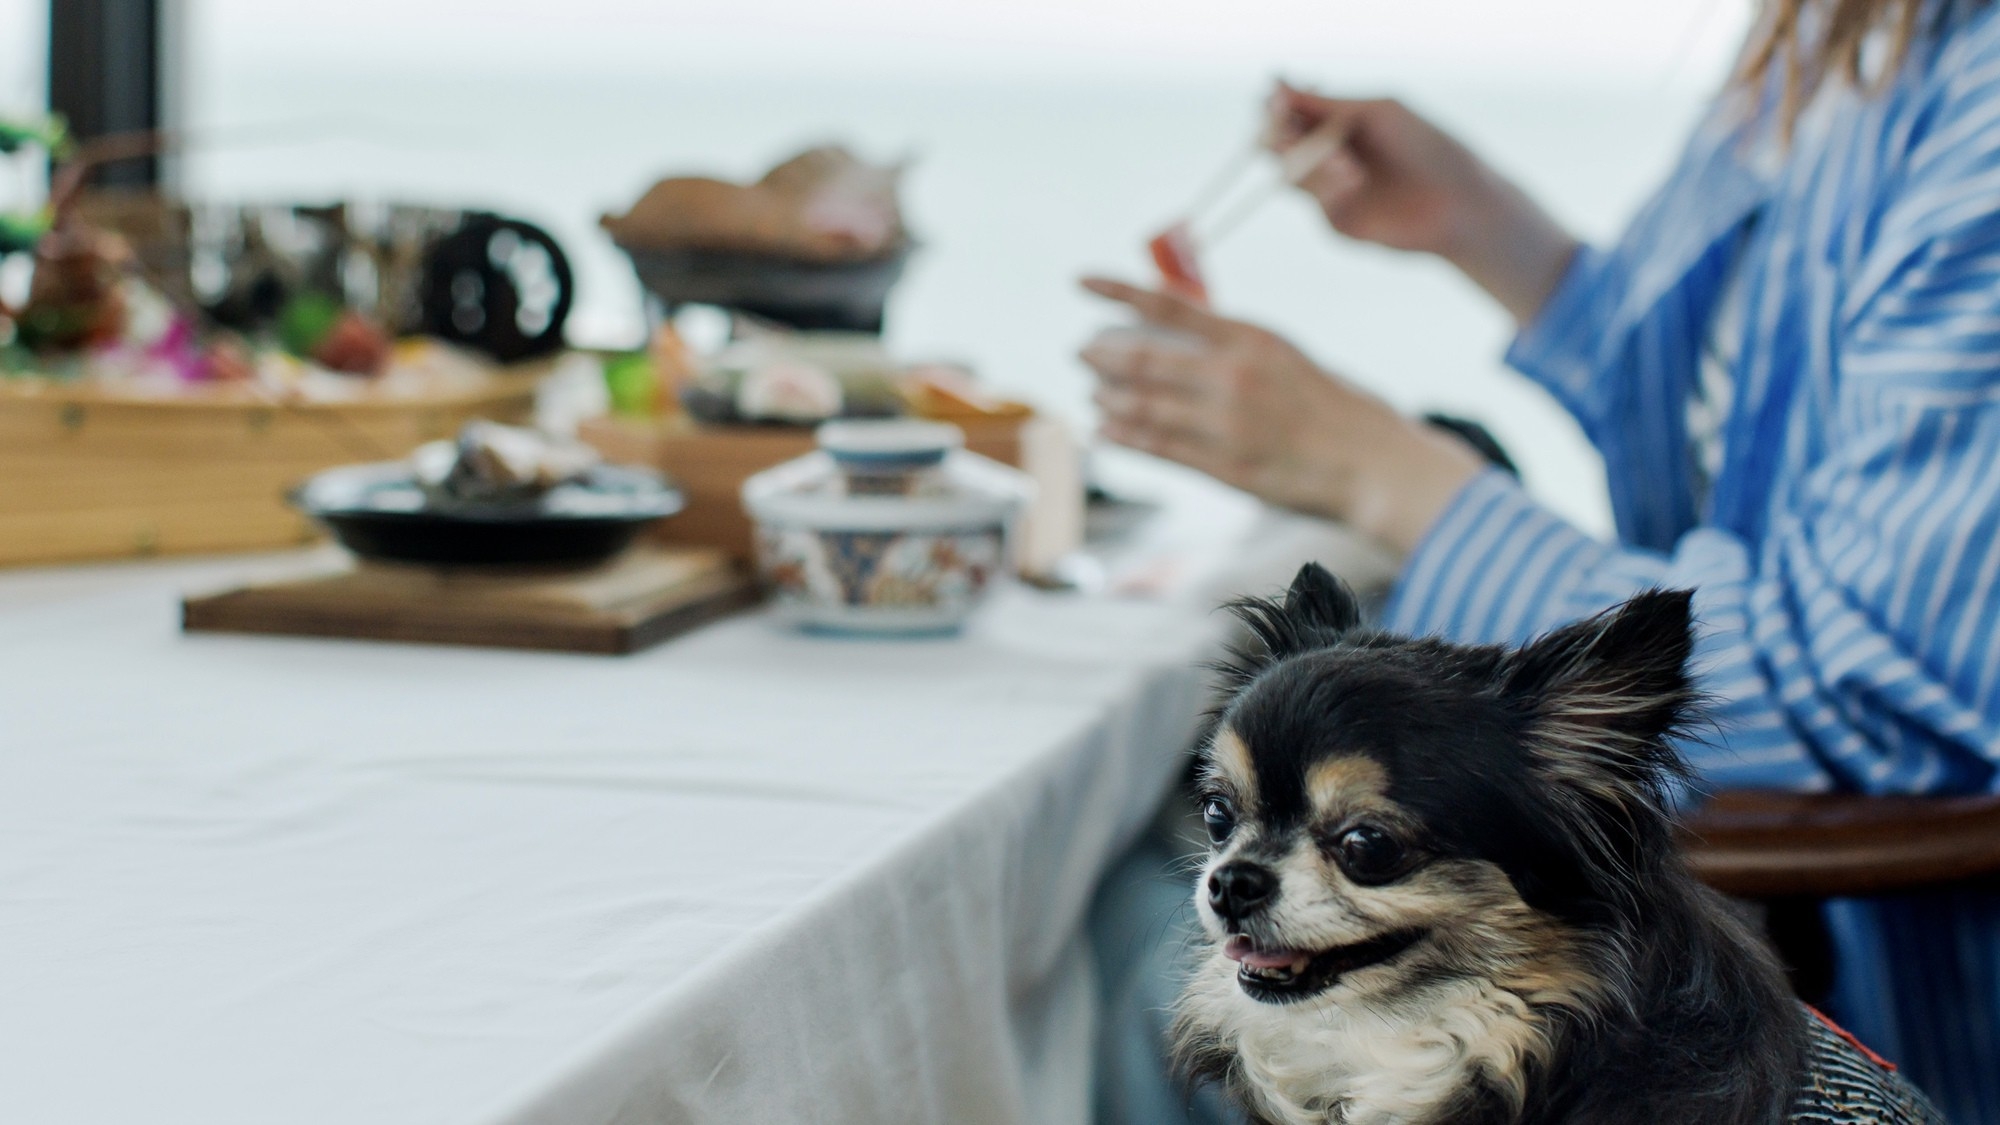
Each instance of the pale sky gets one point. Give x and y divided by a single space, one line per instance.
1633 42
1643 40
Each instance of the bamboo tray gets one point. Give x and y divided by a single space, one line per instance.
90 474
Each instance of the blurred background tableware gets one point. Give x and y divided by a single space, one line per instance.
503 537
830 296
706 423
496 496
889 527
498 285
170 368
369 509
791 377
816 244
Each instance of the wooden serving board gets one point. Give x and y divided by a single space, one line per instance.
636 600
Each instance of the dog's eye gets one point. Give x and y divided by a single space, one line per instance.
1370 855
1215 815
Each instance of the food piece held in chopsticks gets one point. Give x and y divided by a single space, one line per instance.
1220 210
1180 269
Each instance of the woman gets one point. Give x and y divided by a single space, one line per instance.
1791 364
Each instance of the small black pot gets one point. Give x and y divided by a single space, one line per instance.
808 296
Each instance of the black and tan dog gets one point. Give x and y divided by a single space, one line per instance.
1444 888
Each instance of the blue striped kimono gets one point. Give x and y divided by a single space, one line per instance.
1846 553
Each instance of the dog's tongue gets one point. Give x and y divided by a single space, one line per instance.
1239 948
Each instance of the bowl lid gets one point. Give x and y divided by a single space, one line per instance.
965 492
889 445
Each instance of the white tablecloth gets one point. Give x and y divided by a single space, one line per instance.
750 876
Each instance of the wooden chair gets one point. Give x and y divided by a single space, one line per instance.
1790 852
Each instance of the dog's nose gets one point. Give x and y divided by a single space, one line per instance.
1237 890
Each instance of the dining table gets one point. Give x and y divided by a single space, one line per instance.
750 875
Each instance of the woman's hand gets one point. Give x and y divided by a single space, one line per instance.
1242 405
1395 179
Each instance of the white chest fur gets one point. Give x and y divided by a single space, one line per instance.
1323 1062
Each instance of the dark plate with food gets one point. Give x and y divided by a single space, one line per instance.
807 295
492 497
816 244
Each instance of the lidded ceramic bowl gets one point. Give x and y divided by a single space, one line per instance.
890 527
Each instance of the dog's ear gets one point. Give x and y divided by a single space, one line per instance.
1600 704
1320 601
1615 680
1316 612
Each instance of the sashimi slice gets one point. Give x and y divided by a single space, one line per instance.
1180 270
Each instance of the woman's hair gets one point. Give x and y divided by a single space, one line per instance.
1814 40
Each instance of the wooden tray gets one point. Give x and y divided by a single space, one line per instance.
635 601
92 474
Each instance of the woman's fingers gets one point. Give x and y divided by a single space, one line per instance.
1335 179
1175 445
1164 309
1128 358
1312 152
1157 410
1162 398
1292 114
1193 450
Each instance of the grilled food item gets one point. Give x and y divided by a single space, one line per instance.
490 463
823 205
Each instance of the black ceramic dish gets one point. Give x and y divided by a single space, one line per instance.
379 511
810 296
498 285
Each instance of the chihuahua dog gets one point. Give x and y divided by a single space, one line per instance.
1444 887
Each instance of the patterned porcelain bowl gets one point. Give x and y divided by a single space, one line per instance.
891 527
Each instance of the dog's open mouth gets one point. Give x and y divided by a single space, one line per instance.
1280 975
